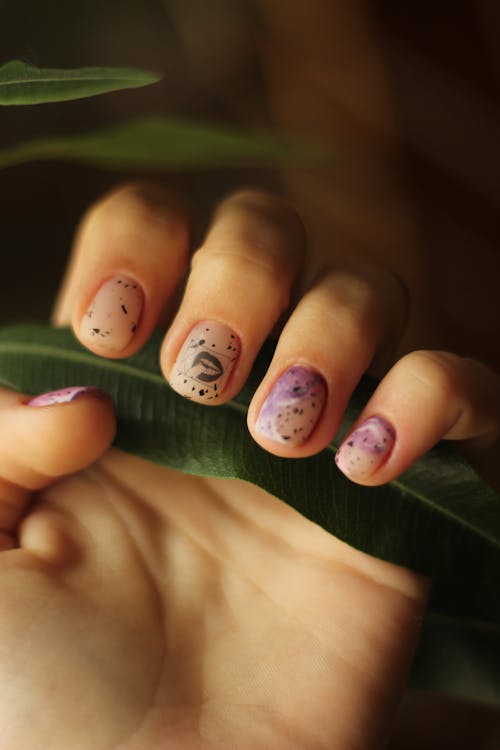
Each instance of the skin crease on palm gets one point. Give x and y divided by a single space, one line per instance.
150 610
159 610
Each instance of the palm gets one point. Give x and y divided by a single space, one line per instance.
187 613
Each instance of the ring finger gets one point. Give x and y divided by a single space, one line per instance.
239 285
351 319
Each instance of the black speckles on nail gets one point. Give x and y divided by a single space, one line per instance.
367 447
124 309
295 401
205 361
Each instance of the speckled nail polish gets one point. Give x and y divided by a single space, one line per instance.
113 315
64 395
205 361
365 449
292 409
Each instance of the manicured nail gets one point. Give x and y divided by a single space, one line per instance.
292 409
66 394
366 449
113 315
205 361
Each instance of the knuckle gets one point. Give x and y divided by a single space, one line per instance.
242 274
435 369
350 290
241 261
351 299
258 226
260 203
135 204
366 286
130 196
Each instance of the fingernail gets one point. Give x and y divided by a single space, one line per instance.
66 394
205 361
113 315
366 449
292 409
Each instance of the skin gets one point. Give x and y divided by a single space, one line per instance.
228 632
184 612
159 610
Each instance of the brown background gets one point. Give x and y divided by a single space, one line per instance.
444 64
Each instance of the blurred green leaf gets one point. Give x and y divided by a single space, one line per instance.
21 83
159 143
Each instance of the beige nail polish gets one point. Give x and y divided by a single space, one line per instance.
205 361
113 315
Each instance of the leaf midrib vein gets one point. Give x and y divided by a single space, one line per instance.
75 79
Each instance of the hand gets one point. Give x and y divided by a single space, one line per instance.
145 609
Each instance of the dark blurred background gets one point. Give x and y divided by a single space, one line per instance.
41 203
444 63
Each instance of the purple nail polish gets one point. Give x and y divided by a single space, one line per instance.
366 449
292 409
64 395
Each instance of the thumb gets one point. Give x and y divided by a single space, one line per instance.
44 438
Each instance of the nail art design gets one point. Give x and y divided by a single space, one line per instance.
365 449
64 395
205 361
114 313
292 409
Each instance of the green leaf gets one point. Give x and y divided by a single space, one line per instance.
439 518
21 83
158 143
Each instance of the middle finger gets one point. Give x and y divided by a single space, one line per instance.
240 283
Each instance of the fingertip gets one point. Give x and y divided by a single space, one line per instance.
111 323
130 255
203 368
366 450
427 396
60 432
286 416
